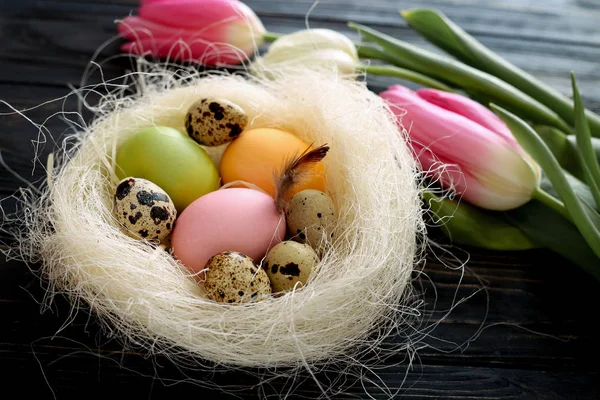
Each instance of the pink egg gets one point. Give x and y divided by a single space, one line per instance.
242 220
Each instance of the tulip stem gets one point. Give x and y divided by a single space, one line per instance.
547 199
438 29
271 36
373 53
469 79
403 73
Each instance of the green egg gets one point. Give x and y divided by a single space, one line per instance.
171 160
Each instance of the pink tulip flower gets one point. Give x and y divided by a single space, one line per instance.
211 32
469 109
485 166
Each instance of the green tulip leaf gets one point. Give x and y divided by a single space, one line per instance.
446 69
582 191
564 148
372 52
406 74
468 225
535 146
445 34
585 148
549 229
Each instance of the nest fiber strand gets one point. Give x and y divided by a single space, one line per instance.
146 297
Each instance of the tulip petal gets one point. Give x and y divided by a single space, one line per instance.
199 51
441 169
472 188
216 22
193 13
488 171
323 59
308 40
445 133
462 182
134 28
469 109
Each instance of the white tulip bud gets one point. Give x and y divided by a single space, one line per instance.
316 49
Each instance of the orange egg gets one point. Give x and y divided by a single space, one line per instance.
258 155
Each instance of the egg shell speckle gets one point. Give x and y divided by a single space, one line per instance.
232 277
288 263
310 215
213 122
236 219
144 209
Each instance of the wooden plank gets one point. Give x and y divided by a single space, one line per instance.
68 368
558 20
40 37
555 23
28 138
539 337
551 333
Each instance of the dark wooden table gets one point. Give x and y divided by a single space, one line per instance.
526 329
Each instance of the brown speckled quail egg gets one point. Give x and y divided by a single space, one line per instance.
310 215
213 122
288 263
144 209
232 277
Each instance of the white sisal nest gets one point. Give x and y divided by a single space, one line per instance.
144 295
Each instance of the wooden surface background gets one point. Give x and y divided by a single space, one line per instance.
539 338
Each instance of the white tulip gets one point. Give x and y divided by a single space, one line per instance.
316 49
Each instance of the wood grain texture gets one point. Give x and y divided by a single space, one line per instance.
525 330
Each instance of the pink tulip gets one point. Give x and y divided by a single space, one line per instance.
211 32
469 109
485 166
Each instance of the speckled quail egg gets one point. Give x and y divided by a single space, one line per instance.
213 122
232 277
310 216
288 263
144 209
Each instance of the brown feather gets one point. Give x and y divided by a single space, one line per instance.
294 171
